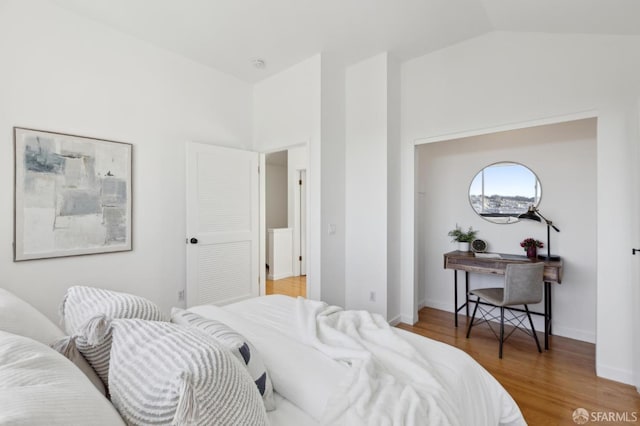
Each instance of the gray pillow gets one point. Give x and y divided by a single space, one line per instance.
246 353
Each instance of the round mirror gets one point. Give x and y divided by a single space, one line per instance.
502 191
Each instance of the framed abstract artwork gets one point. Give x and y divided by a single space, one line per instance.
72 195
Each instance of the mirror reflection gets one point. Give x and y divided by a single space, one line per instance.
502 191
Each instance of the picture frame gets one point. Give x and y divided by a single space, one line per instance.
72 195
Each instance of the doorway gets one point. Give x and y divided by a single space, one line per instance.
285 220
278 235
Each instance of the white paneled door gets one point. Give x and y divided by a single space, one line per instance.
222 224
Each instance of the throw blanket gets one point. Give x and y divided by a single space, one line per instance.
389 382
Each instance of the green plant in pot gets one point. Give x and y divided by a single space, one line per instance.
463 238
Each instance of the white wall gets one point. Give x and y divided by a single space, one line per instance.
394 179
64 73
553 152
506 80
276 196
366 185
286 107
333 180
286 113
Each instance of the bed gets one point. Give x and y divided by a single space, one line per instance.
326 365
305 342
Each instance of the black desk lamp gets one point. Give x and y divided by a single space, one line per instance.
534 214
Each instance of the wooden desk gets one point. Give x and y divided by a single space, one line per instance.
468 262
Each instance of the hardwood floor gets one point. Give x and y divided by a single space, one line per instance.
292 286
547 386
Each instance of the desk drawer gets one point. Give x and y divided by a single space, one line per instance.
472 264
497 266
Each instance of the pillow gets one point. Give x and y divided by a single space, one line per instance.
83 303
86 309
163 373
300 373
38 386
246 353
67 347
19 317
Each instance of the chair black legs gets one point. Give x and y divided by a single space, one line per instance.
533 330
501 330
472 317
520 319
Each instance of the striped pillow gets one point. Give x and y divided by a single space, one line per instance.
93 341
167 374
246 353
86 312
82 303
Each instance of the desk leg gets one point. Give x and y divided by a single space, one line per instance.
455 295
466 291
547 314
550 311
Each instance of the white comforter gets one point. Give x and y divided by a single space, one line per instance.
351 368
388 382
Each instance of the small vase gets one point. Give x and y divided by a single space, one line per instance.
532 252
463 246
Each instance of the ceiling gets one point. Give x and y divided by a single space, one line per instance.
228 34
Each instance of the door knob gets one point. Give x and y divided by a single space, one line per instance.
633 251
193 241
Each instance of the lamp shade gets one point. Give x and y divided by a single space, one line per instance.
530 215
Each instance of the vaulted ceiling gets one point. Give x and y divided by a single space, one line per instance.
228 34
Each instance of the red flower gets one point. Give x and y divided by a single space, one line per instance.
531 242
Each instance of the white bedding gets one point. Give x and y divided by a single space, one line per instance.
303 344
299 373
287 414
39 386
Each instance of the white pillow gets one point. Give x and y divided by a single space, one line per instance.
246 353
38 386
19 317
83 303
163 373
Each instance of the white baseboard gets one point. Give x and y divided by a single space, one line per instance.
614 373
435 304
422 304
574 333
406 319
395 320
559 330
271 277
